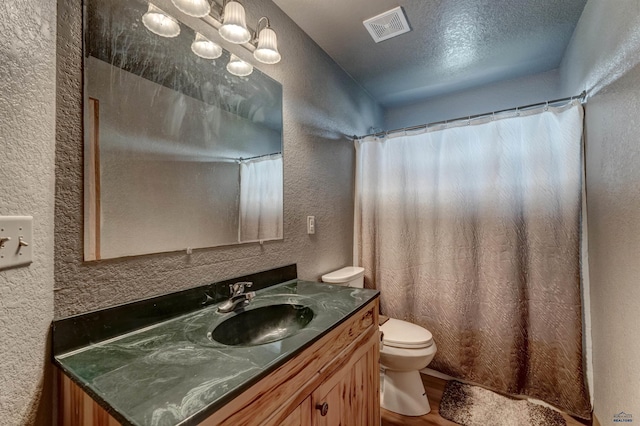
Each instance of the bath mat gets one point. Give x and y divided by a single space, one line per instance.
475 406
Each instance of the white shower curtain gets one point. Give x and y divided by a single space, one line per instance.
474 233
261 199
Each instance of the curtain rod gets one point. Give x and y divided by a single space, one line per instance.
581 96
259 156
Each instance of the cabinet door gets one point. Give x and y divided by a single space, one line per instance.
350 397
328 407
76 408
301 416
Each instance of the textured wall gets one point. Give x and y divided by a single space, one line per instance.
27 129
507 94
613 200
605 46
322 104
602 58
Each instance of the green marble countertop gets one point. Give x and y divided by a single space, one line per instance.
172 374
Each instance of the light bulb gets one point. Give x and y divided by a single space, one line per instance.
205 48
158 22
234 25
195 8
237 66
267 50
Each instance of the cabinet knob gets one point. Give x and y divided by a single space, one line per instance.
324 408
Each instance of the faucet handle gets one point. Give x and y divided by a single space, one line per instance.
238 288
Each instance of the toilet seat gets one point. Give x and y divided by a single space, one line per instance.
405 335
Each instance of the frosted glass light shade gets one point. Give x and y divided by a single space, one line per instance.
234 25
237 66
205 48
158 22
196 8
267 50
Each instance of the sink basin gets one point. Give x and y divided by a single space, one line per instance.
262 325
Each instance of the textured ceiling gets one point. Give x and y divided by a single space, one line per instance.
454 44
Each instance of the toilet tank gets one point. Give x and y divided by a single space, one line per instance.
350 276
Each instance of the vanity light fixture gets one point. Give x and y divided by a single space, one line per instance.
230 20
195 8
234 25
237 66
267 49
205 48
159 22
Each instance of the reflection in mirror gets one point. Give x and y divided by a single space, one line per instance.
179 153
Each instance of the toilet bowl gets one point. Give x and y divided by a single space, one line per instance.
405 350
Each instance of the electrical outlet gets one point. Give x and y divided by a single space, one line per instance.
311 225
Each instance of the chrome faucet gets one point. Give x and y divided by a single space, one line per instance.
238 299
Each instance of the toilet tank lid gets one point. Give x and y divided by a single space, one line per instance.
343 275
403 334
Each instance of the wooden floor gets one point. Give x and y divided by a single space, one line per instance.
434 387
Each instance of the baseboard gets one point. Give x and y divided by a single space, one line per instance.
439 375
434 373
596 422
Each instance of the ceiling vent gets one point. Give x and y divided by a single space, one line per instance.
387 25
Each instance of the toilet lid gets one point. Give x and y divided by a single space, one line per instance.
403 334
343 275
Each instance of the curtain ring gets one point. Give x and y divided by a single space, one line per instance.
469 121
517 112
546 106
493 115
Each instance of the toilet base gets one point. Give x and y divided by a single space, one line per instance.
404 393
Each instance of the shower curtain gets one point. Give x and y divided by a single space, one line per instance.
473 232
261 199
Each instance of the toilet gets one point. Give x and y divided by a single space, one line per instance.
406 349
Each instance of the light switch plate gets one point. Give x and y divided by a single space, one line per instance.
17 229
311 225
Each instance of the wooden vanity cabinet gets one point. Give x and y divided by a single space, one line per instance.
349 396
335 381
340 370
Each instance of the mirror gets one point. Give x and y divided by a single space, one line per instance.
179 153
